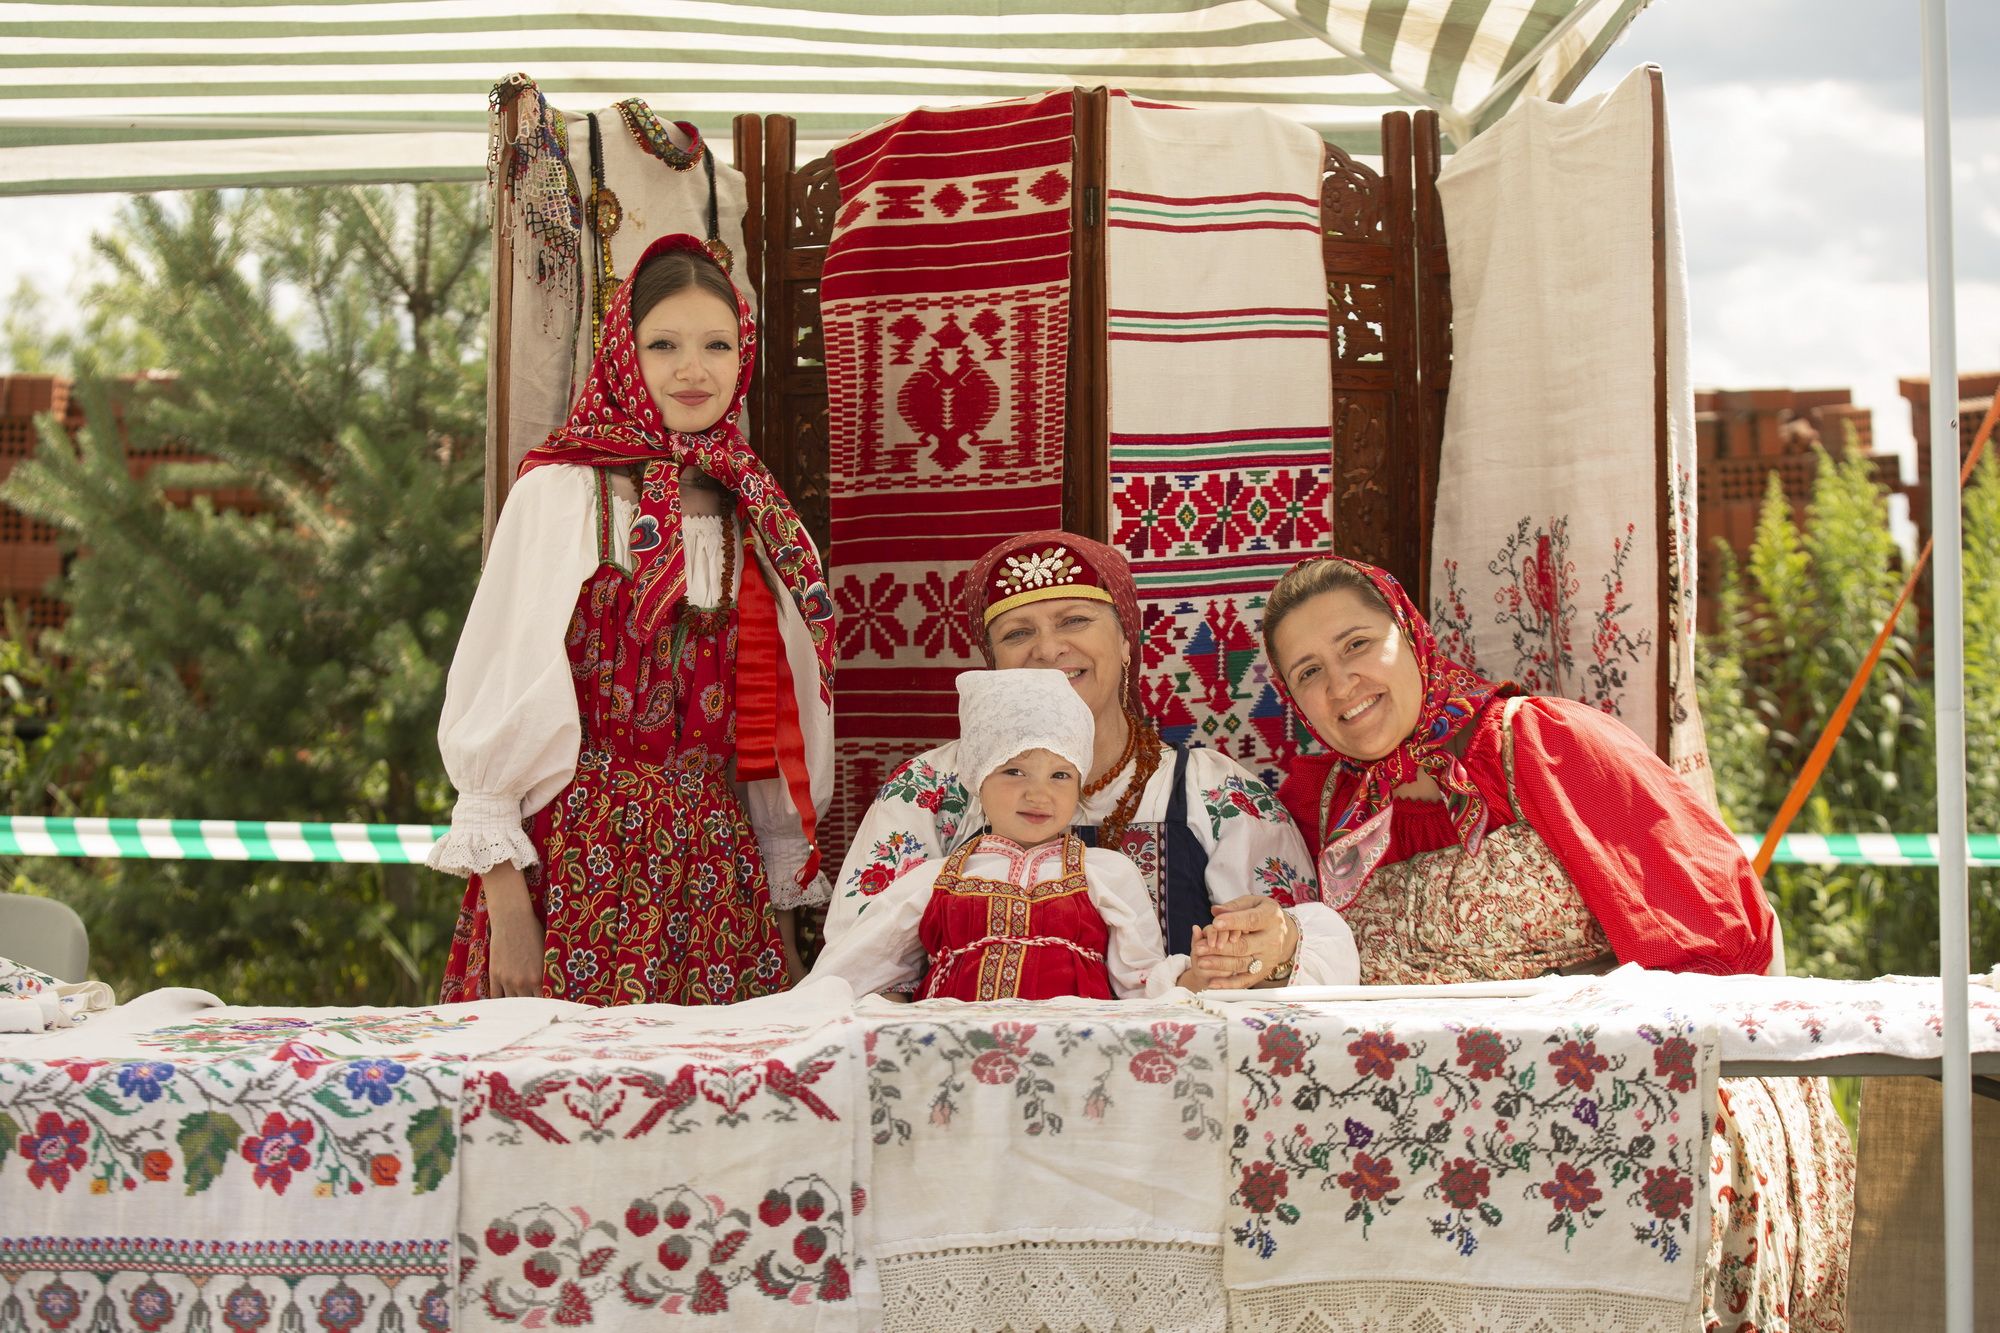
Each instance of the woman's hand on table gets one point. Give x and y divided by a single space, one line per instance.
515 944
1261 939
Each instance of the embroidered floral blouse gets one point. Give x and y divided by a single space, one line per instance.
923 813
509 732
1658 869
882 950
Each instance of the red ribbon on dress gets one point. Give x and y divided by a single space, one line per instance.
758 651
769 740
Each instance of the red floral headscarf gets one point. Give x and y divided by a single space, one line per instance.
1453 698
615 422
1058 564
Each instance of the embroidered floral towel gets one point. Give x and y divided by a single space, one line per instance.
238 1168
1562 554
668 1166
1054 1163
1395 1164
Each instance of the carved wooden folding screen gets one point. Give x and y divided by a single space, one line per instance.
1387 288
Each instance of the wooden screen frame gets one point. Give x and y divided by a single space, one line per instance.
1388 290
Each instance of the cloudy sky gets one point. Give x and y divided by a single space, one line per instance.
1798 143
1798 149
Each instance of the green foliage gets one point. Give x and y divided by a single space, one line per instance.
1796 621
288 662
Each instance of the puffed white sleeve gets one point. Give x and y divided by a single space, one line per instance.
774 817
1327 956
509 732
883 952
1136 953
915 817
1253 845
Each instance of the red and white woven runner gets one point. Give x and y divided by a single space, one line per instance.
946 305
1220 403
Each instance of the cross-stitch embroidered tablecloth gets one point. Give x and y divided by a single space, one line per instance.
174 1165
186 1166
669 1166
1051 1163
1400 1162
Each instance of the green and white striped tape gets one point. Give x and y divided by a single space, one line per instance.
1870 849
217 840
408 844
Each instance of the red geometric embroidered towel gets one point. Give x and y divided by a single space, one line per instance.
1221 402
945 299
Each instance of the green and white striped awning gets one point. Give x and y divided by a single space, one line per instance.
103 95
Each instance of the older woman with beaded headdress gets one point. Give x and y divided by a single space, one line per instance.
1210 840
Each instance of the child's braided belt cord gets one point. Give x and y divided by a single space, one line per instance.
942 965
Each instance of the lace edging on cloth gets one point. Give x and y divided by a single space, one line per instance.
1087 1287
1435 1307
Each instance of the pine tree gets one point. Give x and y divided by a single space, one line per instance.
327 351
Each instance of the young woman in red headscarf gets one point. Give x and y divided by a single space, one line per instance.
639 715
1479 835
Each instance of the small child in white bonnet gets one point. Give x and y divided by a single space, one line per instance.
1025 911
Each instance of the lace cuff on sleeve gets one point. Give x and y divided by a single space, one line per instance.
485 830
784 857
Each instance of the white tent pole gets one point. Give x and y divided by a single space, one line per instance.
1948 625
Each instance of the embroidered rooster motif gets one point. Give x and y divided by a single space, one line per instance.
949 399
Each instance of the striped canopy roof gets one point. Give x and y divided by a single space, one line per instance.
104 95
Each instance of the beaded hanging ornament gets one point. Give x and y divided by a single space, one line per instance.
606 215
651 132
531 172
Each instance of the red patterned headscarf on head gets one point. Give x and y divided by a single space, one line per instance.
1042 566
1453 698
615 422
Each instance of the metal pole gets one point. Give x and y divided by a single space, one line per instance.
1948 622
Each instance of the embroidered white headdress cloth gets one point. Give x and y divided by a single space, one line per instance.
1009 712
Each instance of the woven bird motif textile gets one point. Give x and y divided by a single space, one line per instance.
1395 1161
239 1169
946 304
1562 557
665 1166
1220 403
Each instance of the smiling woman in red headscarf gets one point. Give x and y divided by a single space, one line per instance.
1468 833
1459 802
639 715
